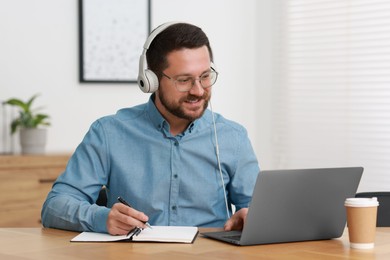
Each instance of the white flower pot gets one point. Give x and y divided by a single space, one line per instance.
33 140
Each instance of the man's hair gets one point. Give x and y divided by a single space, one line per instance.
173 38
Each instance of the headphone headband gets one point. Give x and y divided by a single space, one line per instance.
156 32
147 79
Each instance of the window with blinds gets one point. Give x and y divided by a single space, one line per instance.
333 87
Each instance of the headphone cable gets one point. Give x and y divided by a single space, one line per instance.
219 161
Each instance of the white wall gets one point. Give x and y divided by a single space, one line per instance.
39 54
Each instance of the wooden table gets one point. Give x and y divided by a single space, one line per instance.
42 243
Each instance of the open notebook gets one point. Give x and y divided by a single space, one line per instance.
172 234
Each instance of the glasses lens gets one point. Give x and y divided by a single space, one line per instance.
208 79
184 84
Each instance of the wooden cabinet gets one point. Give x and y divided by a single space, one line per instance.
25 181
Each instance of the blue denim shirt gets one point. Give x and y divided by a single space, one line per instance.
173 179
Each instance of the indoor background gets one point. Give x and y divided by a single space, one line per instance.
308 79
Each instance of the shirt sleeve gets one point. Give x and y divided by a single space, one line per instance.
71 204
243 180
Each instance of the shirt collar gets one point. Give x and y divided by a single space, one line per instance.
160 123
154 115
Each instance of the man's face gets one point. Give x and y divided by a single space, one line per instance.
176 105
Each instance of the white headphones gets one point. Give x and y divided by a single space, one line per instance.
147 79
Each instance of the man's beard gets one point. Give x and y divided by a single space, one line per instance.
177 109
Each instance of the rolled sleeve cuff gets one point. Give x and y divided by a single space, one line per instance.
100 221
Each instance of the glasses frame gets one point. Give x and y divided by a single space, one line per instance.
174 81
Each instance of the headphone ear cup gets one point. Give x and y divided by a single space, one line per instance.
153 81
148 81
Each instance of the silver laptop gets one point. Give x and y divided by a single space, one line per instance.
296 205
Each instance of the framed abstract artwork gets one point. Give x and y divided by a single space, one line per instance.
111 38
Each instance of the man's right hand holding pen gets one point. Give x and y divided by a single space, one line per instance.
123 218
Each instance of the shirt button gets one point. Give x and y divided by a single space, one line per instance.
173 207
175 176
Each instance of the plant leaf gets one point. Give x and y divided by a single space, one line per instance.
39 120
31 100
18 103
14 125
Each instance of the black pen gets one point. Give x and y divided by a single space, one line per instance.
121 200
132 232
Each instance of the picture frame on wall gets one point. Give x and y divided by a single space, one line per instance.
111 38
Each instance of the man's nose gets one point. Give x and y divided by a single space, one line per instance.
197 88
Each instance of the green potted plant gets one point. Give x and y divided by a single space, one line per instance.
29 122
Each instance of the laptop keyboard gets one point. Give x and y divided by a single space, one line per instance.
233 237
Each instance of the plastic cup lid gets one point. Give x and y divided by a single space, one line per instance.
361 202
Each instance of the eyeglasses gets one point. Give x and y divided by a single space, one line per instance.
185 83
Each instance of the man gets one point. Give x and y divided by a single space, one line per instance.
162 157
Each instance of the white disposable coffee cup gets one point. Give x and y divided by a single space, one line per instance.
361 220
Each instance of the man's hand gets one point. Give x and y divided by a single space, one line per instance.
237 221
122 219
